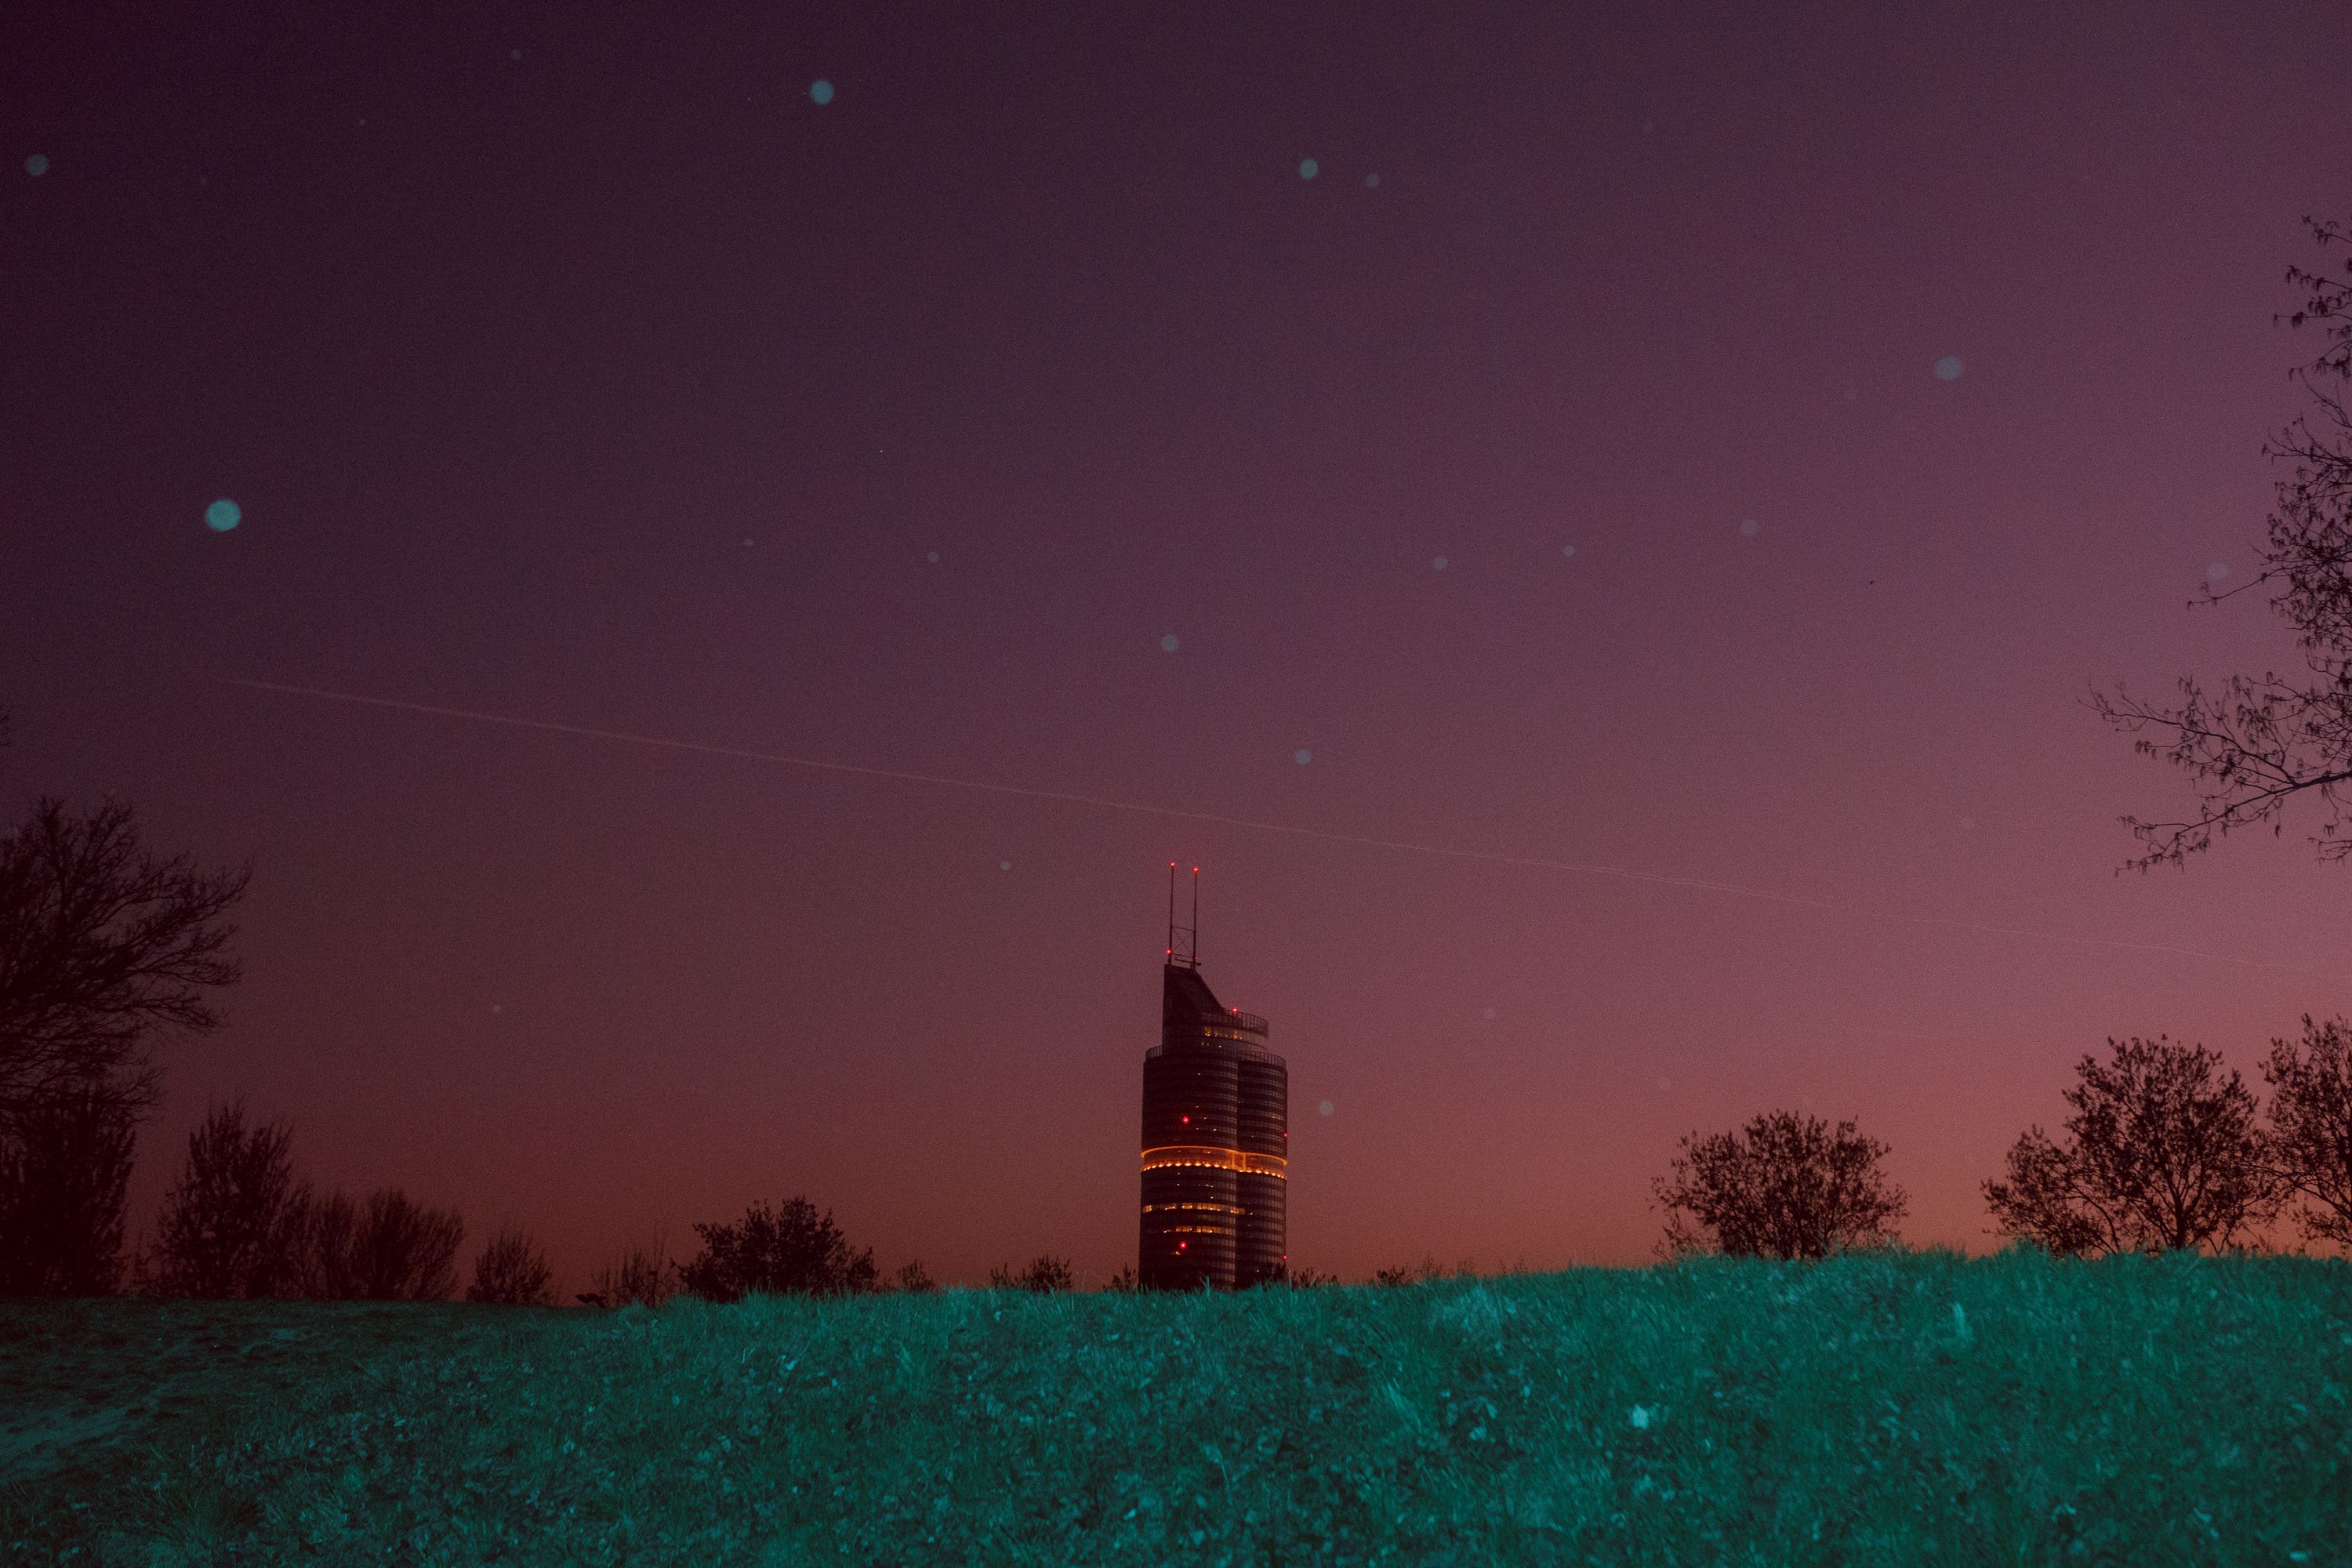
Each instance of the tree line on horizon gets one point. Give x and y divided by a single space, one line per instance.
104 949
2161 1157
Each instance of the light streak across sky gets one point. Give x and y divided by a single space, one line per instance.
1271 826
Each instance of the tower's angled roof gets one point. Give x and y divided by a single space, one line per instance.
1185 998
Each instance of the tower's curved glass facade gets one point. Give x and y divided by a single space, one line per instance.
1216 1119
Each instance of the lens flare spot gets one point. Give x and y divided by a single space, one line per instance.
1004 865
1371 182
1948 368
222 515
36 165
1325 1108
1302 756
1308 168
935 557
1748 528
1168 643
821 90
1439 563
2215 572
1567 549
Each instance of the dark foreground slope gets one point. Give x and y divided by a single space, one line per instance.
1913 1408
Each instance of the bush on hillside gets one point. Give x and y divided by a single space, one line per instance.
511 1271
791 1251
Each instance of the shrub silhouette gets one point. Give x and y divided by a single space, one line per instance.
913 1281
1787 1186
2311 1124
637 1278
1126 1281
2160 1158
1045 1273
224 1234
788 1252
511 1271
402 1252
64 1176
1296 1278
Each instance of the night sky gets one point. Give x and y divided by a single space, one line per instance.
1595 532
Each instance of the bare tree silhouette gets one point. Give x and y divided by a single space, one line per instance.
1786 1187
1045 1273
225 1233
511 1271
100 946
790 1251
403 1251
321 1247
912 1280
1127 1282
64 1176
2161 1159
2311 1123
2279 740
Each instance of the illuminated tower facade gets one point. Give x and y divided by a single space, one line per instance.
1216 1129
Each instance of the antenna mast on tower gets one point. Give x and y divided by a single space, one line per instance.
1190 955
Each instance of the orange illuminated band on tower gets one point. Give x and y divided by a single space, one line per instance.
1225 1159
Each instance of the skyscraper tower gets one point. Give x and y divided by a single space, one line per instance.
1217 1131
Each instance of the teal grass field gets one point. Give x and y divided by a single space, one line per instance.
1902 1407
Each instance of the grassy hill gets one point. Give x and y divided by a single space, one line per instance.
1906 1408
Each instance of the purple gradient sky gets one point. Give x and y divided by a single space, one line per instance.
621 386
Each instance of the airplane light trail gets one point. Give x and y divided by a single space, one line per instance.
1265 826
